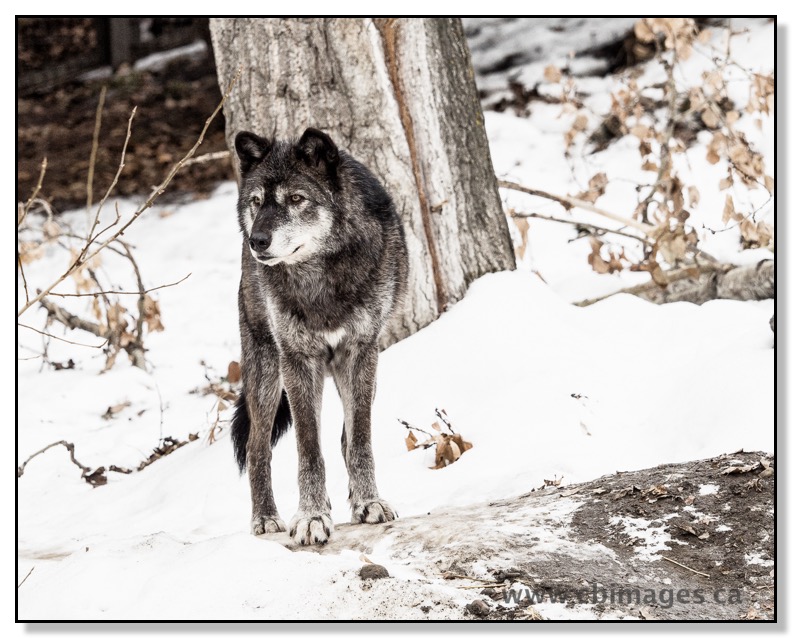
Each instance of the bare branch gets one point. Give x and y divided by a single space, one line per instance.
26 577
145 206
94 150
29 203
47 334
24 279
91 237
118 292
567 201
412 427
208 157
596 230
69 446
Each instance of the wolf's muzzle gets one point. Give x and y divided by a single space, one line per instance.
260 241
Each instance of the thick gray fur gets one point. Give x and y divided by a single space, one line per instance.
324 265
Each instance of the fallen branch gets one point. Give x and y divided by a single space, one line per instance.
98 476
704 283
73 321
690 569
69 446
568 201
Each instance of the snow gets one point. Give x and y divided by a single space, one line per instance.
161 59
542 389
650 537
708 488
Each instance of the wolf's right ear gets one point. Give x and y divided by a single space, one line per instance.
251 150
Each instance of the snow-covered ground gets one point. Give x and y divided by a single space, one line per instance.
543 389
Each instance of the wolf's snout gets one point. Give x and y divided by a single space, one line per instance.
260 241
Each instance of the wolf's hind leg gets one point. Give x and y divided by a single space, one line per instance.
261 380
354 369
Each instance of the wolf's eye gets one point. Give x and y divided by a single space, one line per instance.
296 199
256 201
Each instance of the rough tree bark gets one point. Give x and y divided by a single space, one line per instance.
398 94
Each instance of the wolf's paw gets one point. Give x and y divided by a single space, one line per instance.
377 511
311 530
266 525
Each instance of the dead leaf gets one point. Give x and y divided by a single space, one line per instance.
115 409
411 441
554 482
693 196
522 228
728 210
552 74
643 31
234 372
151 314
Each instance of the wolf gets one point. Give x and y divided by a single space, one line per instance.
324 266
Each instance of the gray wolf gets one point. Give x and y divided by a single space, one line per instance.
324 265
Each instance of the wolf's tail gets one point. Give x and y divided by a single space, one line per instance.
240 426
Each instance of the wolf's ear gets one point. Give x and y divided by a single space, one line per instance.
251 149
315 148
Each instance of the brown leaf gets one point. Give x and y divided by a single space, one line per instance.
115 409
234 372
522 227
464 446
151 315
436 426
411 441
650 166
440 454
596 188
728 210
552 74
658 275
643 32
693 196
51 229
710 118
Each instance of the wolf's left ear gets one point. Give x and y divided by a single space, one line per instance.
316 148
251 149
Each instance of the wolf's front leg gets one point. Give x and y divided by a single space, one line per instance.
303 377
354 368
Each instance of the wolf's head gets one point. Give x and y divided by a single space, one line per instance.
286 196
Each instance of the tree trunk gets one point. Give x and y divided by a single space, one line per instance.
400 96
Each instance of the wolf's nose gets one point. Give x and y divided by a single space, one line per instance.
260 241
